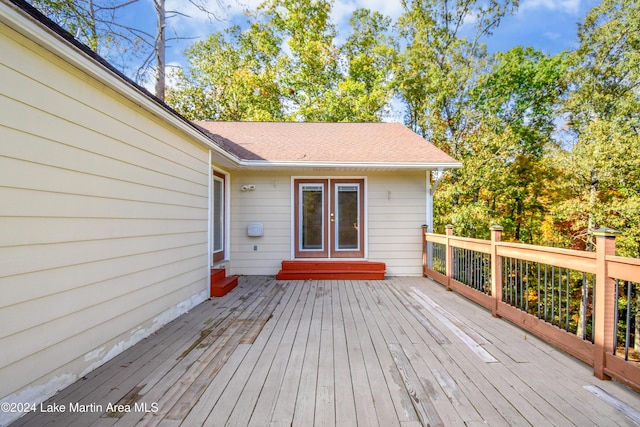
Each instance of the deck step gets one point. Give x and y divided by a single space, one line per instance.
331 270
220 284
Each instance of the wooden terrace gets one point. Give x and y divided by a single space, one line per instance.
400 351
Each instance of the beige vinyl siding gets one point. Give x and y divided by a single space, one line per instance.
103 221
395 212
270 205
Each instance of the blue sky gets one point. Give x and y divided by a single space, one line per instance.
548 25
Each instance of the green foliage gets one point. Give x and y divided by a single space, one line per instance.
285 65
604 111
231 78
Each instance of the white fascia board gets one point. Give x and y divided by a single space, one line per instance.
349 165
22 23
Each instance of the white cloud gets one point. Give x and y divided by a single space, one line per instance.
567 6
552 35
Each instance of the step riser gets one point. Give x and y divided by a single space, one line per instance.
333 265
220 284
331 270
330 276
220 289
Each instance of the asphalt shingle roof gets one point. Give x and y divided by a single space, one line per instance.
324 142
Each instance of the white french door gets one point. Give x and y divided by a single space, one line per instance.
329 218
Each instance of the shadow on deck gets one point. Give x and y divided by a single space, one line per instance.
400 351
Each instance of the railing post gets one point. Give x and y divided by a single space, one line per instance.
449 262
496 269
604 301
426 255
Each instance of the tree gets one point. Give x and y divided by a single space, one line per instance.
287 55
98 24
517 101
231 77
439 68
604 109
368 56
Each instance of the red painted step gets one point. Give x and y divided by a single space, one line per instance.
220 284
334 265
331 270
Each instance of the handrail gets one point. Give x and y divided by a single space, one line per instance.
623 268
509 273
565 258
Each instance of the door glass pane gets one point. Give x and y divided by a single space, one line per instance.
312 230
347 226
218 213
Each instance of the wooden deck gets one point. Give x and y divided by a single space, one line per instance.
402 351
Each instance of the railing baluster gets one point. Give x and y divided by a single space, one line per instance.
538 294
476 270
628 329
511 280
593 308
586 296
546 297
559 287
520 291
566 302
553 295
504 276
615 318
526 301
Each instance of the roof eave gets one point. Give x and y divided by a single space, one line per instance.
266 164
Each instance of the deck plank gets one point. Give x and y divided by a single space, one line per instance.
273 383
230 397
325 413
304 412
181 386
344 398
531 360
394 328
374 349
473 401
288 392
344 352
399 394
453 405
266 361
363 400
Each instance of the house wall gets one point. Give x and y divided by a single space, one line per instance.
103 222
395 213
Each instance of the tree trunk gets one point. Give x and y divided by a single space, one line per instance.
582 314
593 194
455 197
590 247
93 43
160 47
